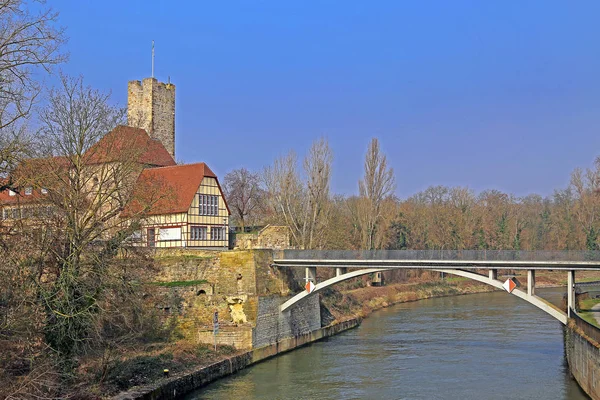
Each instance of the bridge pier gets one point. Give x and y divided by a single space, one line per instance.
340 271
311 275
531 282
493 274
570 292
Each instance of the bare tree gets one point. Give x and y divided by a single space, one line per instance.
244 195
586 186
317 166
29 43
78 281
285 192
302 203
377 184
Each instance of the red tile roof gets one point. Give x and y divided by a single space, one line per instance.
127 143
34 173
168 190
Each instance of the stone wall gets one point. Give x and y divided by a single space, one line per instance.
239 337
242 287
178 268
151 106
270 237
583 356
273 326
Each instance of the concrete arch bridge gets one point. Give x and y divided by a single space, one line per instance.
465 263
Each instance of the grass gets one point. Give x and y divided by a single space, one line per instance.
182 257
180 283
588 279
585 310
454 279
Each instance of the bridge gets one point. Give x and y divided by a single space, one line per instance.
464 263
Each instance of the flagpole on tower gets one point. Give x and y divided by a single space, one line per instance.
153 58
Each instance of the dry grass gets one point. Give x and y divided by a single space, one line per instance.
146 365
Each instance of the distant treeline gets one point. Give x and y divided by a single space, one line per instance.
438 218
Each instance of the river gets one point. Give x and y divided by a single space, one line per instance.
481 346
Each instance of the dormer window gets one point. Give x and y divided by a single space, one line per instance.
28 191
11 193
44 191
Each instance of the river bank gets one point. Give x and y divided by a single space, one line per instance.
175 387
347 307
363 301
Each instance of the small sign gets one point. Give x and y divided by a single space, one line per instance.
215 323
309 286
509 285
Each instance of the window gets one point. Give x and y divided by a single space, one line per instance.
169 233
217 233
44 191
28 191
16 213
198 233
11 193
5 213
208 204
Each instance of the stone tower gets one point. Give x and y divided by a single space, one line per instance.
151 106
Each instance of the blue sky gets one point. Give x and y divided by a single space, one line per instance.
490 95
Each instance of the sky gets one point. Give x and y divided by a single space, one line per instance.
489 95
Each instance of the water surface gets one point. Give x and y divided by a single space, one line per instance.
482 346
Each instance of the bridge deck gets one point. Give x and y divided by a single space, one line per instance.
449 259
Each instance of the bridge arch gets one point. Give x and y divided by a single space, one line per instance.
537 301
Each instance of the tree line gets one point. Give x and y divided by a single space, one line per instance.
438 218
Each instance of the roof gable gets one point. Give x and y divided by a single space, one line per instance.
168 190
129 143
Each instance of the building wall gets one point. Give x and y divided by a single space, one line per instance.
185 221
167 221
151 106
209 186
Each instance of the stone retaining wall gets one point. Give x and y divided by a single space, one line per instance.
583 356
177 386
273 326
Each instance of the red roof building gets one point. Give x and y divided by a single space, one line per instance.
179 205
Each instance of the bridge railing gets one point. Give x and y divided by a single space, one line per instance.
592 331
459 255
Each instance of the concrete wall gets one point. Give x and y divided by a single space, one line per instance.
583 356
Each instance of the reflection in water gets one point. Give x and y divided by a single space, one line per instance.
485 346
